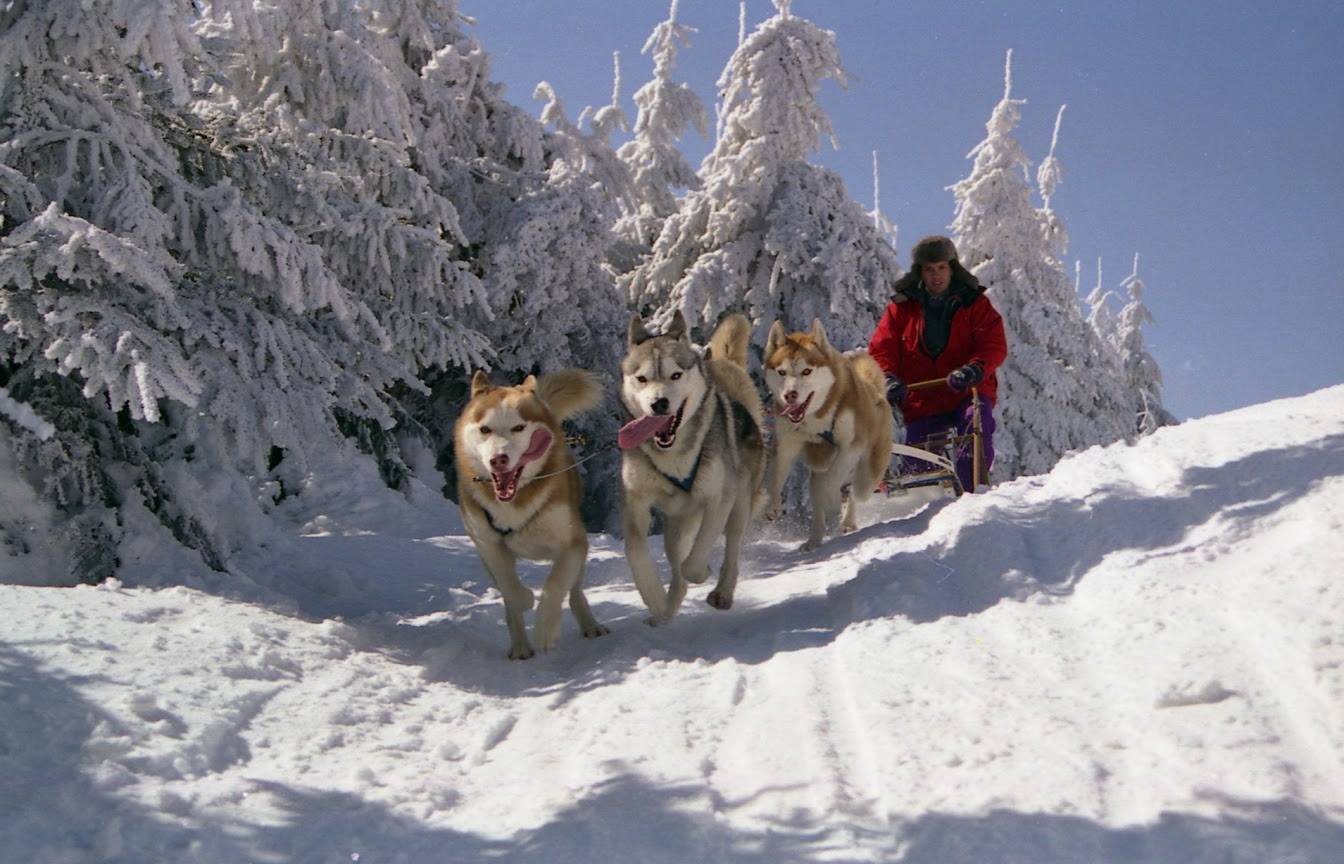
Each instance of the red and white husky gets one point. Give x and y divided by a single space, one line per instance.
830 408
520 497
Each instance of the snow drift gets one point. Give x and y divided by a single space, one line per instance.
1136 657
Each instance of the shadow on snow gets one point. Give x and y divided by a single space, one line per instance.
1014 554
1006 554
65 805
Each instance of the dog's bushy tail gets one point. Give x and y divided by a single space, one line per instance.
569 391
869 375
729 341
727 365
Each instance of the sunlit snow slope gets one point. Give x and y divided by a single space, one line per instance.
1138 657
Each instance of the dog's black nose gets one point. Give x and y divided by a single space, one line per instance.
660 406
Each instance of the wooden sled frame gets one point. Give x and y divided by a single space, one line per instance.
940 453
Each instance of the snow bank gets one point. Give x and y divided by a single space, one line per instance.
1136 657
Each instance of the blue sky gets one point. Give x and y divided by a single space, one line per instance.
1205 136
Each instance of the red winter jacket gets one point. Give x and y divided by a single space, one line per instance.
976 335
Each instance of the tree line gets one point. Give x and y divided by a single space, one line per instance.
241 243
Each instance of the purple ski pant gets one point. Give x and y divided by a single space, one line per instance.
919 430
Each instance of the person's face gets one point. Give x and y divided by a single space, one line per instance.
936 276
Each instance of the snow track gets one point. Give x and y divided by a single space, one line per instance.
1135 658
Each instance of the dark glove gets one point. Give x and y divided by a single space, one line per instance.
895 391
966 377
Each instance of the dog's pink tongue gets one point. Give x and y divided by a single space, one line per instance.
636 432
536 448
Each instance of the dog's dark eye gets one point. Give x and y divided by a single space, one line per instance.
807 372
485 430
641 379
676 375
520 427
781 371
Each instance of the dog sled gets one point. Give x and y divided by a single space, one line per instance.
937 457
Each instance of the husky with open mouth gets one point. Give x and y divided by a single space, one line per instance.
692 450
830 408
520 496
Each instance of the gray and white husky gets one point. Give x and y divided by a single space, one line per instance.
693 450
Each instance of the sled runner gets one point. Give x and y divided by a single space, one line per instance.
938 456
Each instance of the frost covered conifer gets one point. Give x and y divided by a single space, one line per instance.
886 229
489 235
1100 317
483 221
768 234
667 109
1102 321
232 232
589 154
1055 395
1141 371
551 263
150 314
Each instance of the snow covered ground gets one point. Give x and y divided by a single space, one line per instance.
1138 657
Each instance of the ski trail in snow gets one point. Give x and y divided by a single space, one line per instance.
820 766
858 733
824 759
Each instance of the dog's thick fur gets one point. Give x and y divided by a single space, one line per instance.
531 511
704 473
831 408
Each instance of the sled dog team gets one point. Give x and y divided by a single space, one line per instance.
694 449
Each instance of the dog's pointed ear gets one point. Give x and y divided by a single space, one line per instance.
775 338
677 330
819 335
529 383
637 333
480 383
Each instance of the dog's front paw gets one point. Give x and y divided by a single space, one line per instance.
594 630
720 599
547 629
659 611
809 545
521 650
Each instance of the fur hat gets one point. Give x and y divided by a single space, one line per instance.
928 250
932 249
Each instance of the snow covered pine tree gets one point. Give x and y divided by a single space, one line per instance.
1141 371
217 254
1052 395
769 234
667 109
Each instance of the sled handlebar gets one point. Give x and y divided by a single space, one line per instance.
936 382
